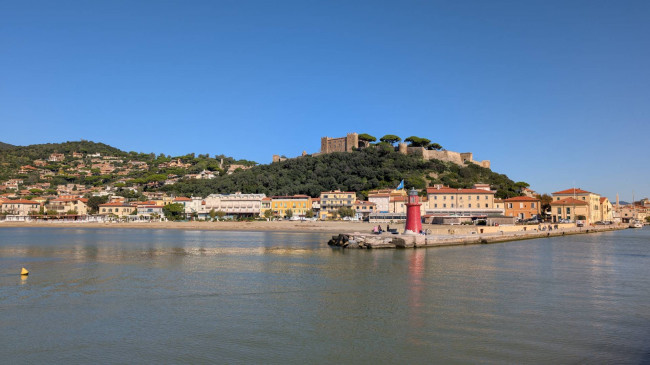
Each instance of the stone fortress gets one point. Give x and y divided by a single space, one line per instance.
351 141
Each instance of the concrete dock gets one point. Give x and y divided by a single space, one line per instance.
479 235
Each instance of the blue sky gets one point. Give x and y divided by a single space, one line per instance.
555 93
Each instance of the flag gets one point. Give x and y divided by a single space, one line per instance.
400 186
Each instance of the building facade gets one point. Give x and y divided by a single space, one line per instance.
592 213
444 201
332 201
522 207
298 204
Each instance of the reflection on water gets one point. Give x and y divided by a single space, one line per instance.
109 295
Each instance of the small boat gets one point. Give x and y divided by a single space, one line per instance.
636 224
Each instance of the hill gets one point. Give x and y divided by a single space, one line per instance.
4 146
359 171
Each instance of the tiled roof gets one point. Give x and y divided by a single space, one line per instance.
602 199
572 191
569 201
19 201
115 205
521 199
182 199
448 190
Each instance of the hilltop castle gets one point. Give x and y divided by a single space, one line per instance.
351 141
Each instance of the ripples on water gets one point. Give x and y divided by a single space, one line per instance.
167 296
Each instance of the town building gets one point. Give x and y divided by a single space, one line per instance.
234 205
569 209
56 157
606 210
117 208
363 209
298 204
150 211
592 213
66 204
522 207
477 202
20 207
332 201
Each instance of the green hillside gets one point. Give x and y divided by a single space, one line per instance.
359 171
4 146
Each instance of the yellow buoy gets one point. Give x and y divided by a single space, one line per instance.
24 272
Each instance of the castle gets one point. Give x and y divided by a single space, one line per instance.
351 141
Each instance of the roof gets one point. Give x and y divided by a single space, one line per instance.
19 201
602 199
522 199
379 195
448 190
397 198
290 197
569 201
573 191
338 192
115 205
182 199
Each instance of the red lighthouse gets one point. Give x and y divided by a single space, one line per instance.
413 220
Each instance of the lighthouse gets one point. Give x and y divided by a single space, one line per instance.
413 220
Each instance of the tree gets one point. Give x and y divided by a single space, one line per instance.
268 214
390 139
367 138
417 141
346 212
288 213
212 213
174 212
221 214
309 213
435 146
545 202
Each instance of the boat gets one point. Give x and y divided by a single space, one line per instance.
636 224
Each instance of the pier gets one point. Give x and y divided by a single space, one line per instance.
456 236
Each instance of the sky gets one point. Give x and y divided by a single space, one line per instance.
554 93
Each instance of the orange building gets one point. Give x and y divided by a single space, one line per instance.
522 207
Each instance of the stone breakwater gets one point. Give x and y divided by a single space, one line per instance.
375 241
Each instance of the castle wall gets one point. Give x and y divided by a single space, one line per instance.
448 156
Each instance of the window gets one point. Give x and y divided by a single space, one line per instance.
444 205
461 197
583 198
478 197
568 210
444 197
469 205
435 197
559 210
452 205
469 197
435 205
509 205
486 205
532 205
521 205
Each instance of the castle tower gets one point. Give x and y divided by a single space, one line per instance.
403 148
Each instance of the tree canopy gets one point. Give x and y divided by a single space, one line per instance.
390 139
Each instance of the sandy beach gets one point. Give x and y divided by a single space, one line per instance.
289 226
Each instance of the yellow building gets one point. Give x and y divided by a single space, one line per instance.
298 204
593 212
444 201
118 209
569 209
332 201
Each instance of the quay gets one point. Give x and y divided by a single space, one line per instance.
458 235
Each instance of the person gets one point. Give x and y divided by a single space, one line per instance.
387 228
375 230
380 230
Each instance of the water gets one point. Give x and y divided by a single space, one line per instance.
167 296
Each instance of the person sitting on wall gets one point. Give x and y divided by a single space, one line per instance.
380 230
375 230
